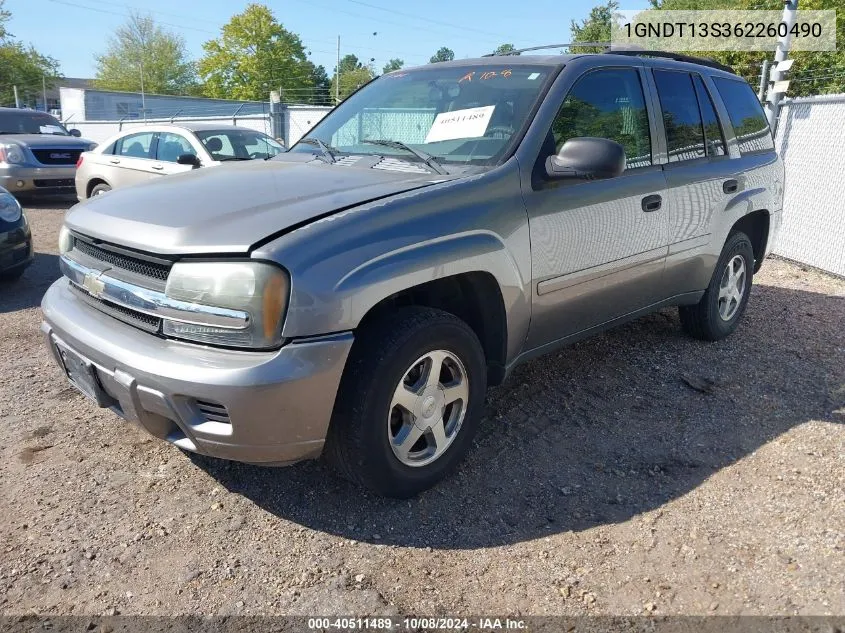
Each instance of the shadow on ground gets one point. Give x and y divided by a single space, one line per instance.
27 291
595 434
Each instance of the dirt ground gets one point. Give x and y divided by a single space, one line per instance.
637 472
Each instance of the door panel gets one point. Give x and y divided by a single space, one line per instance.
168 149
598 248
697 174
132 161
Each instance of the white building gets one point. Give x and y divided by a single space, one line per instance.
87 104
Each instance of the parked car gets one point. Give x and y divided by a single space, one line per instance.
355 296
15 238
142 153
37 153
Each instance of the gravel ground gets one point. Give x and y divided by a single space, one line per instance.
636 472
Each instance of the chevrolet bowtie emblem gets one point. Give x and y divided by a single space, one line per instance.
93 285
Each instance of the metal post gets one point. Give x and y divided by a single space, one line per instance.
781 52
235 115
44 88
764 80
17 99
337 75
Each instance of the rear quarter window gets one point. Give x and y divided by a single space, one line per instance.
747 116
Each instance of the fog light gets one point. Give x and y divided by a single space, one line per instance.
20 183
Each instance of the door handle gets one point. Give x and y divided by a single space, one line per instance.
158 167
652 203
730 186
115 161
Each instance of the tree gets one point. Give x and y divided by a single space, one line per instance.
442 55
505 49
23 66
812 72
596 28
322 92
254 55
353 74
141 51
393 64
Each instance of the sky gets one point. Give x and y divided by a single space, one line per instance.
74 31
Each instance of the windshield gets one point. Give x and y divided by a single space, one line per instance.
239 144
457 114
23 122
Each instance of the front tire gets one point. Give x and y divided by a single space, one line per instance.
718 313
99 190
410 402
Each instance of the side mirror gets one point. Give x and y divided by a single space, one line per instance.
74 132
587 158
189 159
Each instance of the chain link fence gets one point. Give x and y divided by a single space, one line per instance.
810 142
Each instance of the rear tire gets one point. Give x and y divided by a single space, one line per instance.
99 190
400 426
718 313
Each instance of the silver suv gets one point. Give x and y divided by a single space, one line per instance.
355 296
37 153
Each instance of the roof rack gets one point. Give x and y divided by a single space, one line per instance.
630 52
678 57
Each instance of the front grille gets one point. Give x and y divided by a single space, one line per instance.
53 182
57 156
132 317
135 265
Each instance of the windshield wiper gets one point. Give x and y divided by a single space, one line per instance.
428 159
326 151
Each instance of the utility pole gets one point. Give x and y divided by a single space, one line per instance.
143 100
337 75
44 89
764 80
781 52
17 99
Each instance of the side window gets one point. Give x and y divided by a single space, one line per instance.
681 116
712 130
135 145
219 146
747 117
172 146
607 104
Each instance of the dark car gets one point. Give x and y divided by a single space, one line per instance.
15 238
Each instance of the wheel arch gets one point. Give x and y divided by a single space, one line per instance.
756 226
93 182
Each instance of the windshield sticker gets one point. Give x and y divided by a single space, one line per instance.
533 76
50 129
469 123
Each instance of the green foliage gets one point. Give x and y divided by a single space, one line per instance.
393 64
442 55
254 55
353 75
141 47
812 73
504 49
596 28
23 66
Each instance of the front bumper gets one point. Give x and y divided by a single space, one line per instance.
30 179
278 403
15 249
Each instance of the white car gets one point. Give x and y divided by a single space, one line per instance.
141 153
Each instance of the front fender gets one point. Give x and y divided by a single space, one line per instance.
344 265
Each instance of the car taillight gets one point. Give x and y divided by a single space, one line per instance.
2 154
79 161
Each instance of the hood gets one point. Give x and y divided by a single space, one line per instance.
47 140
228 208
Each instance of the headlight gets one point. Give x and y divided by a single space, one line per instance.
10 208
11 153
65 240
257 288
